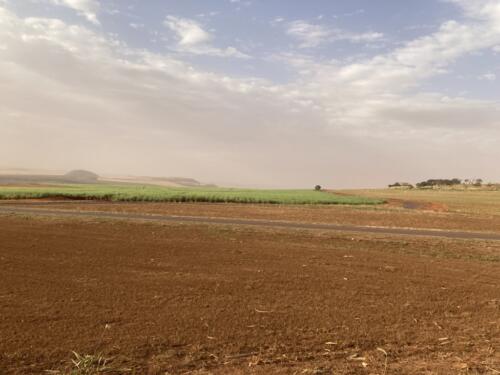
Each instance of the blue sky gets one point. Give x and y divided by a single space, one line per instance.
259 28
253 93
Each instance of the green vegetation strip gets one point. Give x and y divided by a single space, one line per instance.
163 194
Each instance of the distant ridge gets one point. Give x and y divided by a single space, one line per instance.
73 177
80 176
158 181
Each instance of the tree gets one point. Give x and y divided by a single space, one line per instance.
317 187
439 182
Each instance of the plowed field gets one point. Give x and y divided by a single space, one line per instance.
188 298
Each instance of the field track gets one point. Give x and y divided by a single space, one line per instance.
11 208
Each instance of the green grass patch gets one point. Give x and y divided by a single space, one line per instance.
166 194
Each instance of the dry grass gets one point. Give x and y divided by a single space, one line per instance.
85 364
474 201
90 364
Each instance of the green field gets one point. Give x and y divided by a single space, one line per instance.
164 194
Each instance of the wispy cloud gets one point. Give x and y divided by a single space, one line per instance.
193 38
312 35
136 26
488 77
86 8
189 32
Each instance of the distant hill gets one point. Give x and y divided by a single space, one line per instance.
82 176
73 177
158 181
33 177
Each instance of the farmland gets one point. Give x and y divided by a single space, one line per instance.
171 194
479 201
152 297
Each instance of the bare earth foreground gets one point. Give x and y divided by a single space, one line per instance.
171 298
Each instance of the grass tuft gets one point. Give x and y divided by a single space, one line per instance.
85 365
88 364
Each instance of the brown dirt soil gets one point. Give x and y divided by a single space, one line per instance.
416 205
388 215
172 299
408 204
471 201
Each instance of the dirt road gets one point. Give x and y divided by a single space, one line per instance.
13 209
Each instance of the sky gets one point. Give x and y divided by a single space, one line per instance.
257 93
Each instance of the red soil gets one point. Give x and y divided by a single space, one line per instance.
173 299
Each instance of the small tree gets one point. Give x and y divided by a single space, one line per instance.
317 187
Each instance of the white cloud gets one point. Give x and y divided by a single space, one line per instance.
351 14
378 97
136 26
245 3
312 35
488 77
406 67
189 31
209 14
193 38
86 8
486 10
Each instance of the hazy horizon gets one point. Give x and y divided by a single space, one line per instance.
346 94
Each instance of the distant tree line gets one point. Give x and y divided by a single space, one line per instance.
439 182
475 182
401 185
